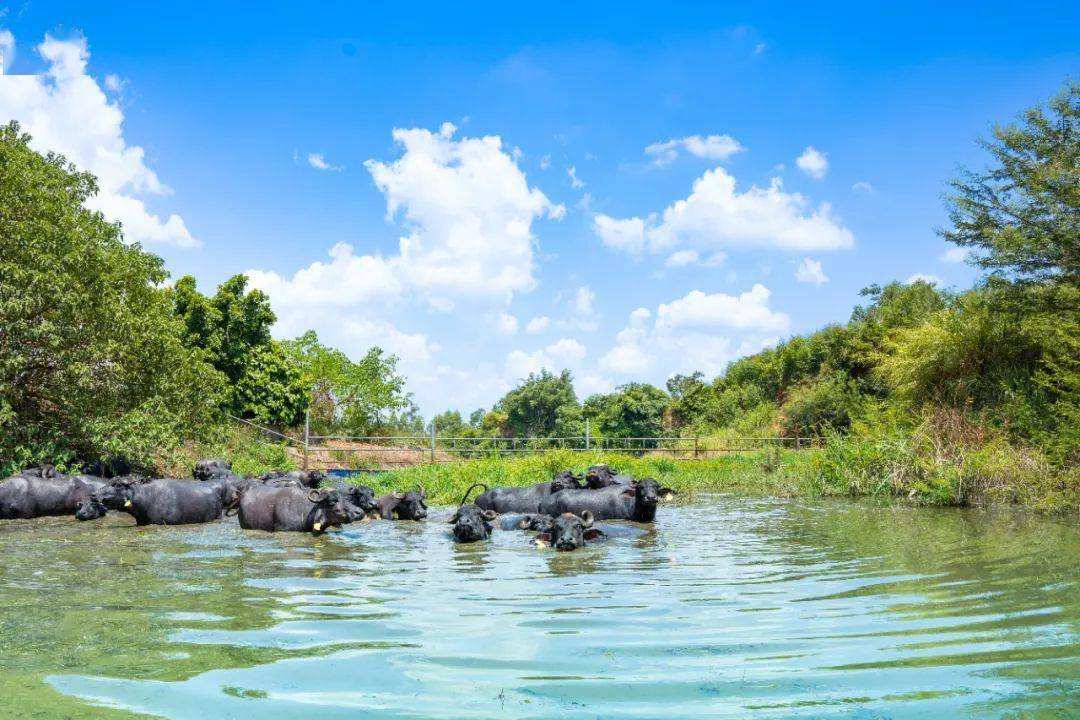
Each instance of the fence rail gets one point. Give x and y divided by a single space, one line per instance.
402 450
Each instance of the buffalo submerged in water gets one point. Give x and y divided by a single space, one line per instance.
162 501
42 492
636 502
514 499
291 508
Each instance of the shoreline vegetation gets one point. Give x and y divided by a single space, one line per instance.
892 468
932 395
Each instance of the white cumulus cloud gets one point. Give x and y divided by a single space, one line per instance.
716 215
708 147
813 162
506 324
7 50
66 111
680 258
956 254
575 181
565 353
538 325
317 161
468 211
810 271
698 331
923 277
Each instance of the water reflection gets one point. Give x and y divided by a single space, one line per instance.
727 607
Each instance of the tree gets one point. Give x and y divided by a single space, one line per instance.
270 389
1022 216
353 396
634 410
543 405
92 361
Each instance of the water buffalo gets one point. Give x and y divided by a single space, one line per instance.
526 499
568 531
40 492
292 509
212 468
165 501
403 506
598 477
470 522
635 502
358 499
304 478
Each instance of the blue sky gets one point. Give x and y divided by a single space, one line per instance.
263 138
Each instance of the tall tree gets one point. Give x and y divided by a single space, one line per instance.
1021 217
233 328
543 405
634 410
356 396
92 361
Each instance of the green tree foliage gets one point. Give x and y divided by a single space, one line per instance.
1021 216
354 397
828 404
543 405
92 361
634 410
270 390
233 328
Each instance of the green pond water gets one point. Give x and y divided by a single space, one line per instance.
728 608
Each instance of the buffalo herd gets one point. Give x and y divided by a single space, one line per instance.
562 512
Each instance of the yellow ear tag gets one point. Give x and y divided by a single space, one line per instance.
127 503
317 527
542 544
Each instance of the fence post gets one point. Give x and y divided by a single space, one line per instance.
433 440
307 435
695 448
586 433
798 442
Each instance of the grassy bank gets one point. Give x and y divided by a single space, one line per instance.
932 464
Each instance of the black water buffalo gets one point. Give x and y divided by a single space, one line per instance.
471 523
567 531
212 468
164 501
41 492
304 478
635 502
526 499
410 505
598 477
290 508
359 500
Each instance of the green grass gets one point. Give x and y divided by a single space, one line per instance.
887 467
758 473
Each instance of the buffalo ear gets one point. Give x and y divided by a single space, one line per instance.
397 495
453 519
592 533
587 519
630 490
314 496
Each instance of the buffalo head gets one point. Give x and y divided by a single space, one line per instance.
569 532
472 524
329 510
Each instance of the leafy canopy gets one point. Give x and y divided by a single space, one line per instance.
92 360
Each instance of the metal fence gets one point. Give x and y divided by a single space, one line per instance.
402 450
